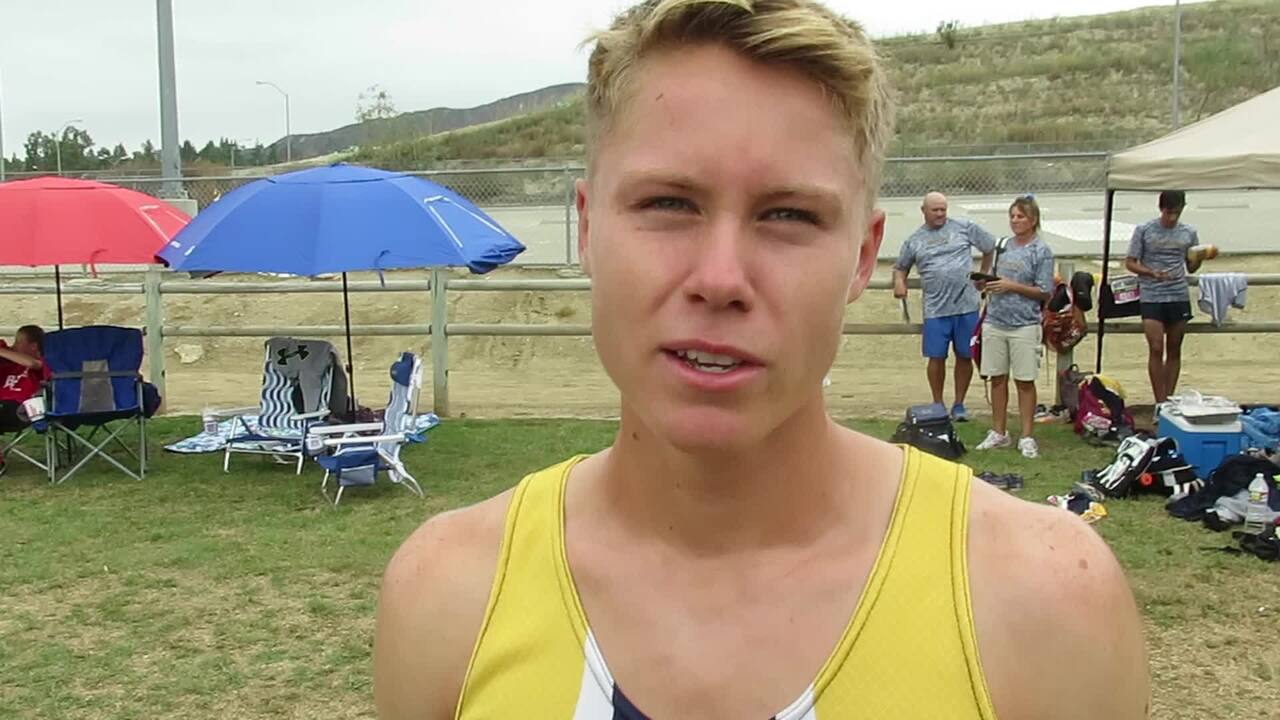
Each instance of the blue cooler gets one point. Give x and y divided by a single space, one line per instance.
1204 445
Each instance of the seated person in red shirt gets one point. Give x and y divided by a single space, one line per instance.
22 370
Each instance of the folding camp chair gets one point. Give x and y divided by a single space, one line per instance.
301 380
95 383
10 447
361 450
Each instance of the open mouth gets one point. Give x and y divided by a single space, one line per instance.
708 362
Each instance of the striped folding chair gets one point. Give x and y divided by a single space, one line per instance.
299 380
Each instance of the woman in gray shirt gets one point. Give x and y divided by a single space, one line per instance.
1011 343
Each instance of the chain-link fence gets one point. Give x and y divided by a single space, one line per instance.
903 177
536 204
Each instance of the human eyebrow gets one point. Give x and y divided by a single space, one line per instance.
657 180
816 197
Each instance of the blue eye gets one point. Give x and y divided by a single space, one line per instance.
668 204
793 215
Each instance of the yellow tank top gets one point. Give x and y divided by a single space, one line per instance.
908 652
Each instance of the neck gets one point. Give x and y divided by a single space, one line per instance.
1026 237
787 489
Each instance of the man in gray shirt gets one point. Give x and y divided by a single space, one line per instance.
943 250
1158 256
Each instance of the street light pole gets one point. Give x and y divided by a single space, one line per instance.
1 131
1177 63
57 142
170 158
288 133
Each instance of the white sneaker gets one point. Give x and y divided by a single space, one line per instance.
994 440
1029 448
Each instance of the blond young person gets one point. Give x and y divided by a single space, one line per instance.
735 553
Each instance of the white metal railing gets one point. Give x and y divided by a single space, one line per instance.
154 287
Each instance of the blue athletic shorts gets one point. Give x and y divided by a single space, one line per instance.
953 330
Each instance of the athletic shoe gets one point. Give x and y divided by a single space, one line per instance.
994 440
1029 448
959 413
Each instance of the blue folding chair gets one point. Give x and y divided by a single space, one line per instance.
361 450
10 447
96 383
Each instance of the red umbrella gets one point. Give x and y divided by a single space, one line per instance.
56 221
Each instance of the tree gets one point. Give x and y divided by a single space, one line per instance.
374 110
119 154
949 33
374 104
146 154
39 152
187 152
210 153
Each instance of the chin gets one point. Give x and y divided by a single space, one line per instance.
709 429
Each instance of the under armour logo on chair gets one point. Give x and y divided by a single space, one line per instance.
301 352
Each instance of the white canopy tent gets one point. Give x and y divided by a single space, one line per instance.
1236 149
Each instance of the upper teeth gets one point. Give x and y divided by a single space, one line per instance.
706 358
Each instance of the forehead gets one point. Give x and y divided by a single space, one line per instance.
710 111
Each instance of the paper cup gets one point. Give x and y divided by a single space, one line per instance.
33 407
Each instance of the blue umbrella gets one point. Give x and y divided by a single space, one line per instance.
339 219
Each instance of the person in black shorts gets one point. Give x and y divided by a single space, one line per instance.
1158 256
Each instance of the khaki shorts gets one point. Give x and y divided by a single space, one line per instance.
1013 351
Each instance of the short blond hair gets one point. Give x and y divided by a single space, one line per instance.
800 34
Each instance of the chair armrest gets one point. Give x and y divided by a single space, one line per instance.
340 429
230 412
311 415
365 440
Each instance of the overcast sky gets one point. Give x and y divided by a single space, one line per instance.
95 60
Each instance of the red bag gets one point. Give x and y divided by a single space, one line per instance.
1063 329
975 341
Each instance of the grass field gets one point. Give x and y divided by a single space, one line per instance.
197 594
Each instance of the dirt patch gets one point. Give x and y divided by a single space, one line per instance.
559 376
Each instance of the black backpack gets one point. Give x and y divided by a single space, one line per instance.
929 428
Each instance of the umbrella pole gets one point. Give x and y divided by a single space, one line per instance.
351 374
57 289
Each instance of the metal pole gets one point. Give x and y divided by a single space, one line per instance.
170 160
57 289
57 141
1177 63
288 130
1 129
1107 212
351 373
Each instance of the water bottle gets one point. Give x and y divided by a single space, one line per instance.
209 421
1258 512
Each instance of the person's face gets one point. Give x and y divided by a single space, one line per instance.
24 345
1019 222
935 212
724 228
1169 216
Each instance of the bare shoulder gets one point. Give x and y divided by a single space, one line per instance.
434 595
1059 634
